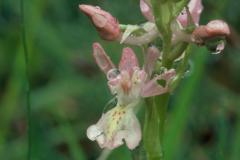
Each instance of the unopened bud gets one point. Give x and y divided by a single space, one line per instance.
106 25
146 10
215 28
195 8
218 28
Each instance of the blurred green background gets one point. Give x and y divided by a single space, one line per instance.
68 91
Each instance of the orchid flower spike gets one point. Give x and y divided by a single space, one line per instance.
129 83
106 25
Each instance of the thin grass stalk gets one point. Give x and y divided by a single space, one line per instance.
28 89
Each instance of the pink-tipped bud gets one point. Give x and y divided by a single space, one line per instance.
146 11
215 28
195 8
218 28
102 59
106 25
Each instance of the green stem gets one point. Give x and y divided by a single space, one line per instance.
165 53
157 106
28 89
181 69
177 51
162 15
154 126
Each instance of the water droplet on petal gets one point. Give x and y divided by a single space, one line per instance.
215 46
97 7
113 73
220 47
189 70
110 104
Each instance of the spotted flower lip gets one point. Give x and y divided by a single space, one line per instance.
106 25
116 126
129 83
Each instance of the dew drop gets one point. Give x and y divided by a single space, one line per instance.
113 73
97 7
110 104
220 47
189 69
216 47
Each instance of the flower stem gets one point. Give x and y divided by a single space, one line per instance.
28 89
154 126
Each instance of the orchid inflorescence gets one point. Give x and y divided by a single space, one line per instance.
130 82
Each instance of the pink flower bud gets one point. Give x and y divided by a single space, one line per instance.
218 28
106 25
195 9
215 28
146 11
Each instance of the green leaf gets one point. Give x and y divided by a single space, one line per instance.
179 116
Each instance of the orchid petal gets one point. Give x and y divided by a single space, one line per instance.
93 132
134 131
128 61
118 124
195 9
152 88
151 59
125 82
101 58
118 139
168 75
